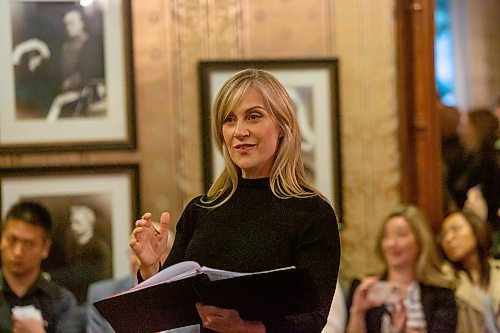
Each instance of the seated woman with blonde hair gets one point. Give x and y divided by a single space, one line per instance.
411 295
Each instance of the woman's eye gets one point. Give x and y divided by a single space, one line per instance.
253 116
228 119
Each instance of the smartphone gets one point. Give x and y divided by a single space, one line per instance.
27 312
384 292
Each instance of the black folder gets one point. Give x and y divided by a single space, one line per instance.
168 305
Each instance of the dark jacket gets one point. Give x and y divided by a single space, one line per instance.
56 304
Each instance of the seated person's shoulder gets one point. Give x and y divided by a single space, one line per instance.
352 287
104 288
355 282
495 270
102 285
55 290
495 264
438 290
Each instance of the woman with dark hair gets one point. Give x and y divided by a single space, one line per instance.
478 133
466 241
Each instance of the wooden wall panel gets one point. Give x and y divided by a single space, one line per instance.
292 28
419 121
155 101
365 40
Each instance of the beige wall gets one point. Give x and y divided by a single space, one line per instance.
171 36
365 44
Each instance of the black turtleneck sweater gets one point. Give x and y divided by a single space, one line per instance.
257 231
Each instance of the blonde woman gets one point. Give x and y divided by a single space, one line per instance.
261 213
417 300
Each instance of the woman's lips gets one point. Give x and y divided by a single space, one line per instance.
243 148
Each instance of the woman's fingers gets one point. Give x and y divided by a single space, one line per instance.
145 220
139 233
164 222
366 284
218 319
398 315
369 281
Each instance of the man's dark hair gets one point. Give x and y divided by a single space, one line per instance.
32 213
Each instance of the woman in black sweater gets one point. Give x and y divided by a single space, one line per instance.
260 214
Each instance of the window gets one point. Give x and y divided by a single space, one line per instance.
444 54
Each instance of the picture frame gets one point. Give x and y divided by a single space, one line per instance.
67 76
313 85
105 198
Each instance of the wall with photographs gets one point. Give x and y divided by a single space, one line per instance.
170 37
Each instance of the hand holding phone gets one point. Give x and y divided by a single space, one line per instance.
27 312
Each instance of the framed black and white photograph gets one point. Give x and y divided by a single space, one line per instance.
67 80
313 87
93 209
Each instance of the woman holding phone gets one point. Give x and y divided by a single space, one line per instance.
411 295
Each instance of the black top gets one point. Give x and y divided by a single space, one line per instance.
256 231
481 169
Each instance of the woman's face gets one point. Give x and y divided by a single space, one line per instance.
251 136
457 237
399 244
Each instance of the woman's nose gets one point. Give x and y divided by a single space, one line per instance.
241 130
390 242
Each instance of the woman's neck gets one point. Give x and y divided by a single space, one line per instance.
473 267
403 276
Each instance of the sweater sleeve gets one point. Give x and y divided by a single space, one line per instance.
319 251
183 233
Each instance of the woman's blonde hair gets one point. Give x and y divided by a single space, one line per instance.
287 177
429 262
